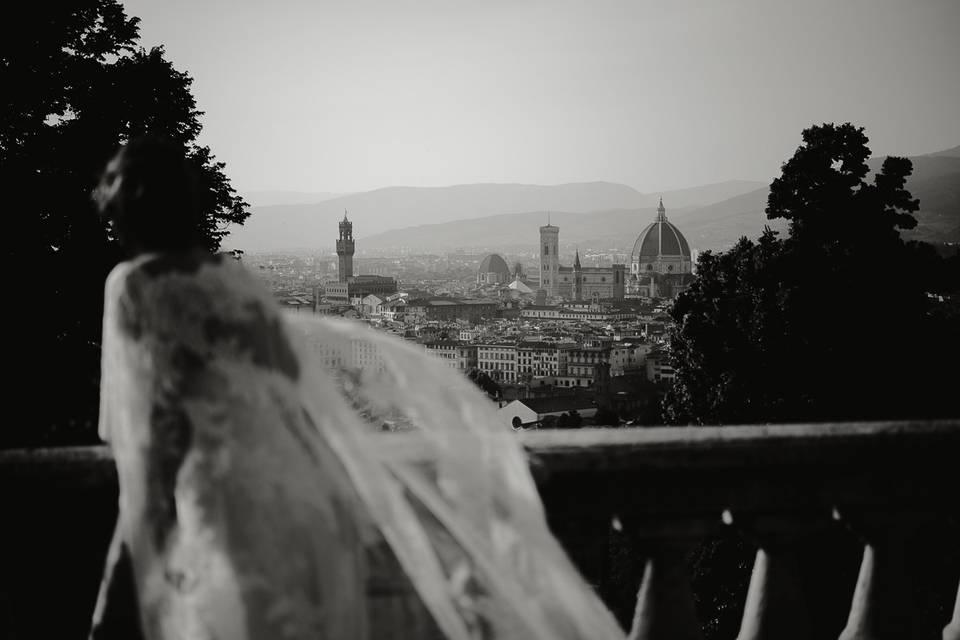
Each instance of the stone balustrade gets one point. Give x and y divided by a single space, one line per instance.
883 494
891 488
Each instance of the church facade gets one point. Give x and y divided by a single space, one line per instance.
576 282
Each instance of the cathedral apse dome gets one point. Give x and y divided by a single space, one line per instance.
660 249
493 270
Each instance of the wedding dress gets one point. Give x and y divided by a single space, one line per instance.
263 458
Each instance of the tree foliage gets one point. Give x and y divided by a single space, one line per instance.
76 86
831 322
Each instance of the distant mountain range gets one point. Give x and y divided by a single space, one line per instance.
590 215
314 225
936 182
710 227
267 198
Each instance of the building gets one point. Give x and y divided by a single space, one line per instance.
584 364
627 357
661 264
348 287
541 359
359 287
660 367
446 350
576 282
345 249
372 305
595 313
457 355
466 357
527 412
450 309
354 354
493 270
499 361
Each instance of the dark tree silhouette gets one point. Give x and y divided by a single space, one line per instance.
607 417
833 321
485 382
76 86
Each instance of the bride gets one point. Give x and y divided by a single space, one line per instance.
268 481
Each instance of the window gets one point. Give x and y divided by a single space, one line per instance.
546 249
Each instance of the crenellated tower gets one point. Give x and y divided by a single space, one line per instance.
345 248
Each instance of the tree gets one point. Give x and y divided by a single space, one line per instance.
485 382
831 322
549 422
77 86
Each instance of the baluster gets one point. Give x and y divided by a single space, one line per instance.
881 602
775 605
665 606
952 630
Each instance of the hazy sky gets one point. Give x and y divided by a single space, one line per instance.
352 95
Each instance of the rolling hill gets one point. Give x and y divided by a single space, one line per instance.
935 182
591 214
314 225
268 198
711 227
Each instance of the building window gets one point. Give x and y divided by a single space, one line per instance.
546 250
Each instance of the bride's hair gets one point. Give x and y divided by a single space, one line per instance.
148 193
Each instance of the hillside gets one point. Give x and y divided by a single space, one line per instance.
953 152
592 214
266 198
712 227
314 225
935 182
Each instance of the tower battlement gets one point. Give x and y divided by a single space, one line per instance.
345 249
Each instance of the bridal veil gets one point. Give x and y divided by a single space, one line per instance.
266 458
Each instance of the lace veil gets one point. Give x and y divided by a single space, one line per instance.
261 453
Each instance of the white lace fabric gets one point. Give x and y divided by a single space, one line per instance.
262 455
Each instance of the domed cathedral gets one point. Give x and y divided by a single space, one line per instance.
661 265
493 270
576 282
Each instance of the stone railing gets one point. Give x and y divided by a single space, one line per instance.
632 507
785 489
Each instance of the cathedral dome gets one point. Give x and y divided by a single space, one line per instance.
661 239
493 270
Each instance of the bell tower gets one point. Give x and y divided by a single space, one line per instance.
577 278
345 249
549 259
